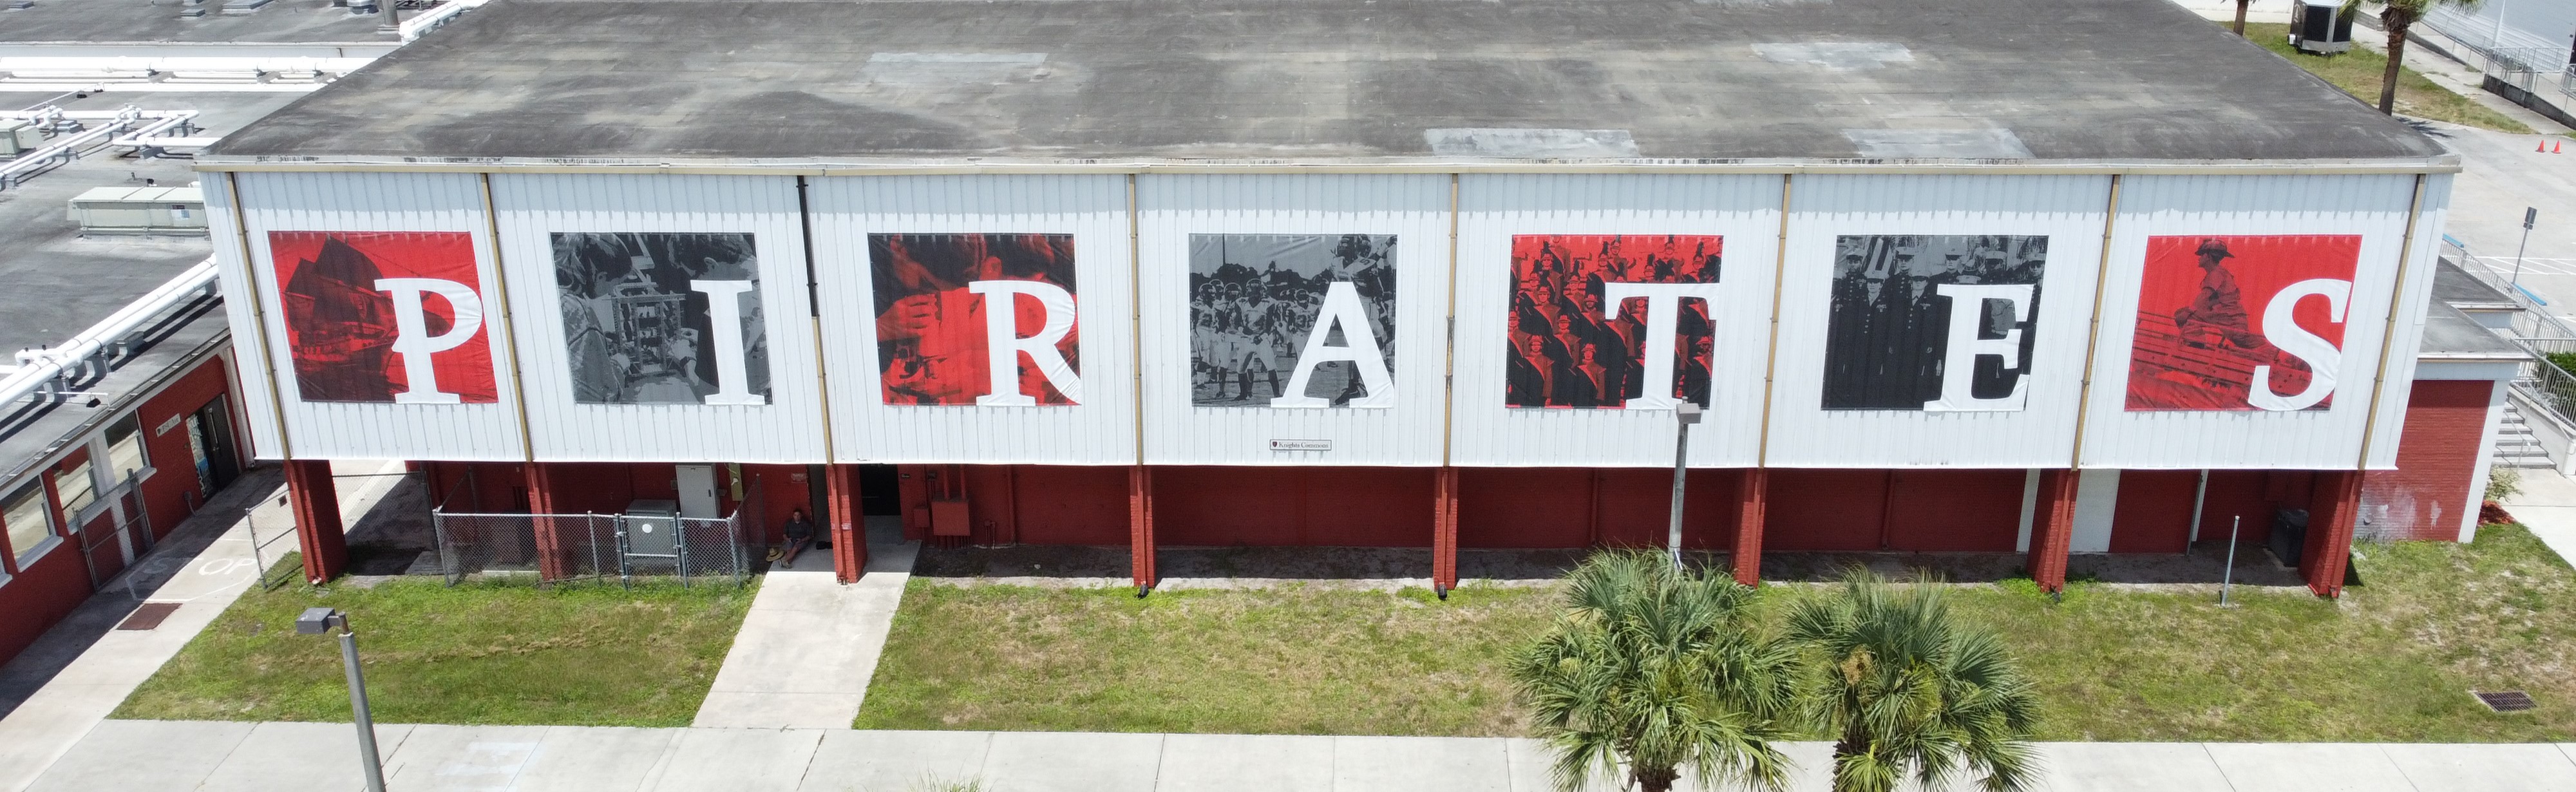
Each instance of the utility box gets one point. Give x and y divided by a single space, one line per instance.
19 137
653 528
2323 28
141 210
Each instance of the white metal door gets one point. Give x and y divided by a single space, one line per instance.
698 491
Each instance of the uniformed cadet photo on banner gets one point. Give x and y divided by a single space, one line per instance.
1292 320
1933 323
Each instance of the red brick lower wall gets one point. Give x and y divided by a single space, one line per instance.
2437 458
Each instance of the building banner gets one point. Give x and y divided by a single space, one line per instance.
657 318
1933 323
375 316
2241 322
976 319
1608 322
1314 310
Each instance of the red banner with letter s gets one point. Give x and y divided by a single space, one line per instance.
2242 322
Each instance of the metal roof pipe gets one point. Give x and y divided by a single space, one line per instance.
42 367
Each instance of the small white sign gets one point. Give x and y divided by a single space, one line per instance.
1301 445
168 425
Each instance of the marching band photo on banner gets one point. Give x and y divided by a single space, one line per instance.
1292 320
976 319
384 316
2241 322
1608 322
1933 323
662 318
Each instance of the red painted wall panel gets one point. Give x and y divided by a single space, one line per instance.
1827 509
41 594
1073 505
1954 510
173 487
1525 507
1358 507
2437 456
2153 514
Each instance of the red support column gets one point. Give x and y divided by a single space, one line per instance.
1444 530
849 526
2052 530
1751 499
1140 526
541 501
318 532
2328 552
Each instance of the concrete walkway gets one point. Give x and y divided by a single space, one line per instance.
2547 506
71 697
321 757
809 644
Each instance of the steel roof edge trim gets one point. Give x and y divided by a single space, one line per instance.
2445 163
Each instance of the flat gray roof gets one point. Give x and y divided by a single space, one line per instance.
2450 335
1333 81
2464 291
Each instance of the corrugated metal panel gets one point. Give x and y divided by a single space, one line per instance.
2413 310
2374 207
234 279
788 428
1099 430
1494 208
2066 209
1413 208
357 201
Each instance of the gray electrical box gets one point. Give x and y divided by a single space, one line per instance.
653 528
141 210
19 137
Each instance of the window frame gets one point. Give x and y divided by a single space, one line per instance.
19 558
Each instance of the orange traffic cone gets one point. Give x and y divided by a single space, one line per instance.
2542 147
2554 146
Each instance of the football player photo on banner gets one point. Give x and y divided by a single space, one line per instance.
1292 321
384 316
1609 322
976 319
658 318
1932 323
2241 322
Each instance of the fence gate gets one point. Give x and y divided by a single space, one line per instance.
592 547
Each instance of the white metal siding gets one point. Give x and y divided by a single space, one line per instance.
1099 431
789 428
2066 209
233 277
358 201
1414 208
1745 210
2373 206
2397 389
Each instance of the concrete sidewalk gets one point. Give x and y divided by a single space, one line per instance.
2547 506
809 644
82 669
320 757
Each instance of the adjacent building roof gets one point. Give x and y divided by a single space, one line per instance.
1333 82
235 22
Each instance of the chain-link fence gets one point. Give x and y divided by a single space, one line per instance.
561 547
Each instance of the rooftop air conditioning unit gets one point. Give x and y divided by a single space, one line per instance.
19 137
141 210
2320 26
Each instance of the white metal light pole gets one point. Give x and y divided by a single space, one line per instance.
2529 214
316 621
2227 580
1683 417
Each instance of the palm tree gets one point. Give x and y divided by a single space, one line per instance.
2240 16
1904 691
2396 17
1660 670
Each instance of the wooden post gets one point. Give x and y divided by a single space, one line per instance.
318 532
2328 551
1444 531
1751 499
1140 526
2053 536
848 521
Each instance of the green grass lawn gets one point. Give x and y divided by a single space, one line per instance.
2393 661
1275 661
480 653
2359 70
